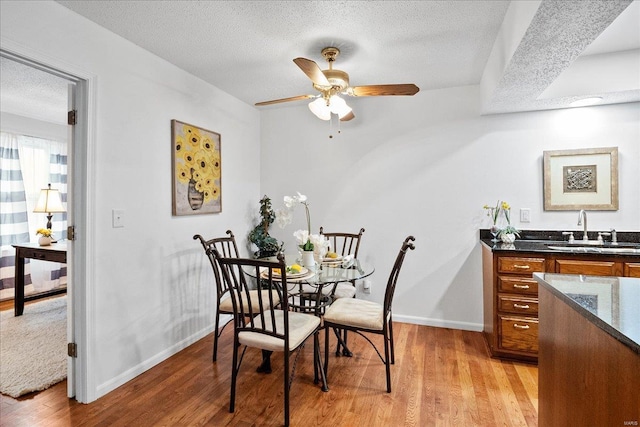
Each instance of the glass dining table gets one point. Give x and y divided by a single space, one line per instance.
311 290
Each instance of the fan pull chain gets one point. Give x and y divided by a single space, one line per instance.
330 126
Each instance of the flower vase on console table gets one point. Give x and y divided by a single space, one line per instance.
46 236
44 241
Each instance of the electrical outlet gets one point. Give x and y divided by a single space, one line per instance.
525 215
366 286
117 218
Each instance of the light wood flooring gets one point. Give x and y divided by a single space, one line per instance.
442 377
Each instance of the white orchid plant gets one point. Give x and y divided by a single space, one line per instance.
284 216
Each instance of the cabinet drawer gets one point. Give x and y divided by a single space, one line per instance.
518 285
522 306
520 265
631 269
593 268
519 334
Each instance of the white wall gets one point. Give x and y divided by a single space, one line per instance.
32 127
425 166
150 290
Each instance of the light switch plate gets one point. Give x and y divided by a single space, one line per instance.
525 215
117 218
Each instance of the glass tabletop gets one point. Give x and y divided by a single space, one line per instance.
330 273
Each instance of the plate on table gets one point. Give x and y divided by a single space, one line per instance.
276 273
330 261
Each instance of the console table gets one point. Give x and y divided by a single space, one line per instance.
57 252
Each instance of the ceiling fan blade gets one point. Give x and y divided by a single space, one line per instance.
277 101
312 71
385 90
348 117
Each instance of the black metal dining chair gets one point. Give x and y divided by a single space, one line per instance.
363 316
227 246
266 322
344 244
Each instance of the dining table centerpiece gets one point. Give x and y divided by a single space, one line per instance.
309 244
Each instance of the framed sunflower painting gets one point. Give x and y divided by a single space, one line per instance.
196 178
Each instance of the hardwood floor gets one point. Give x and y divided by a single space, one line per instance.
442 377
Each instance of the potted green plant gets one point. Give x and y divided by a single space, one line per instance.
259 236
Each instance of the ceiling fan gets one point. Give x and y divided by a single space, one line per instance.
332 82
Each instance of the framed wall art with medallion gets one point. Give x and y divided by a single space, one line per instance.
581 179
196 176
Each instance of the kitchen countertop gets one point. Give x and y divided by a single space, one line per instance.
610 303
540 240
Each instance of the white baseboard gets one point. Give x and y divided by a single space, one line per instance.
130 374
439 323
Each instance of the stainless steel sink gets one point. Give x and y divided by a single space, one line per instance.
596 249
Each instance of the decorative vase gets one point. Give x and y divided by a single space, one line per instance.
195 197
44 241
308 260
508 237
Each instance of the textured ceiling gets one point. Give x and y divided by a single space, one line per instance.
246 48
30 92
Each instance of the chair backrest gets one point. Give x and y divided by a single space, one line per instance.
395 272
344 243
262 311
227 247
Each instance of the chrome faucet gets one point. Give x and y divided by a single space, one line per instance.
582 220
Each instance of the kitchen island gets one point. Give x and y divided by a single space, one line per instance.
589 350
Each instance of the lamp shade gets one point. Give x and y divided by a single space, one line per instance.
320 108
49 201
339 106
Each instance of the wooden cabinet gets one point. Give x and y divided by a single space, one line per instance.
631 269
511 304
590 268
511 294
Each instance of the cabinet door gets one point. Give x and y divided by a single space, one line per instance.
631 269
592 268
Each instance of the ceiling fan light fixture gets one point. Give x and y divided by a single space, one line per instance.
320 108
339 106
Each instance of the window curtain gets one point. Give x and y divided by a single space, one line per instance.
28 164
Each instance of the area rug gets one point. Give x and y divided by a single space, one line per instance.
33 347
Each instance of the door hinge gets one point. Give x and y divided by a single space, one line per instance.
72 349
71 232
71 117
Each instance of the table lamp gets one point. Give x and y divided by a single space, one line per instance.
49 202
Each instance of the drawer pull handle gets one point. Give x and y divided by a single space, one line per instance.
515 325
522 267
526 306
521 286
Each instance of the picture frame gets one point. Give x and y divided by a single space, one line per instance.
196 176
581 179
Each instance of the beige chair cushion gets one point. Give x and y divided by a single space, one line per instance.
300 327
343 290
357 313
226 305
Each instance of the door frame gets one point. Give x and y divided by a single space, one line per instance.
81 214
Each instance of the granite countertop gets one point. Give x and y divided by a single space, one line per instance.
610 303
540 240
